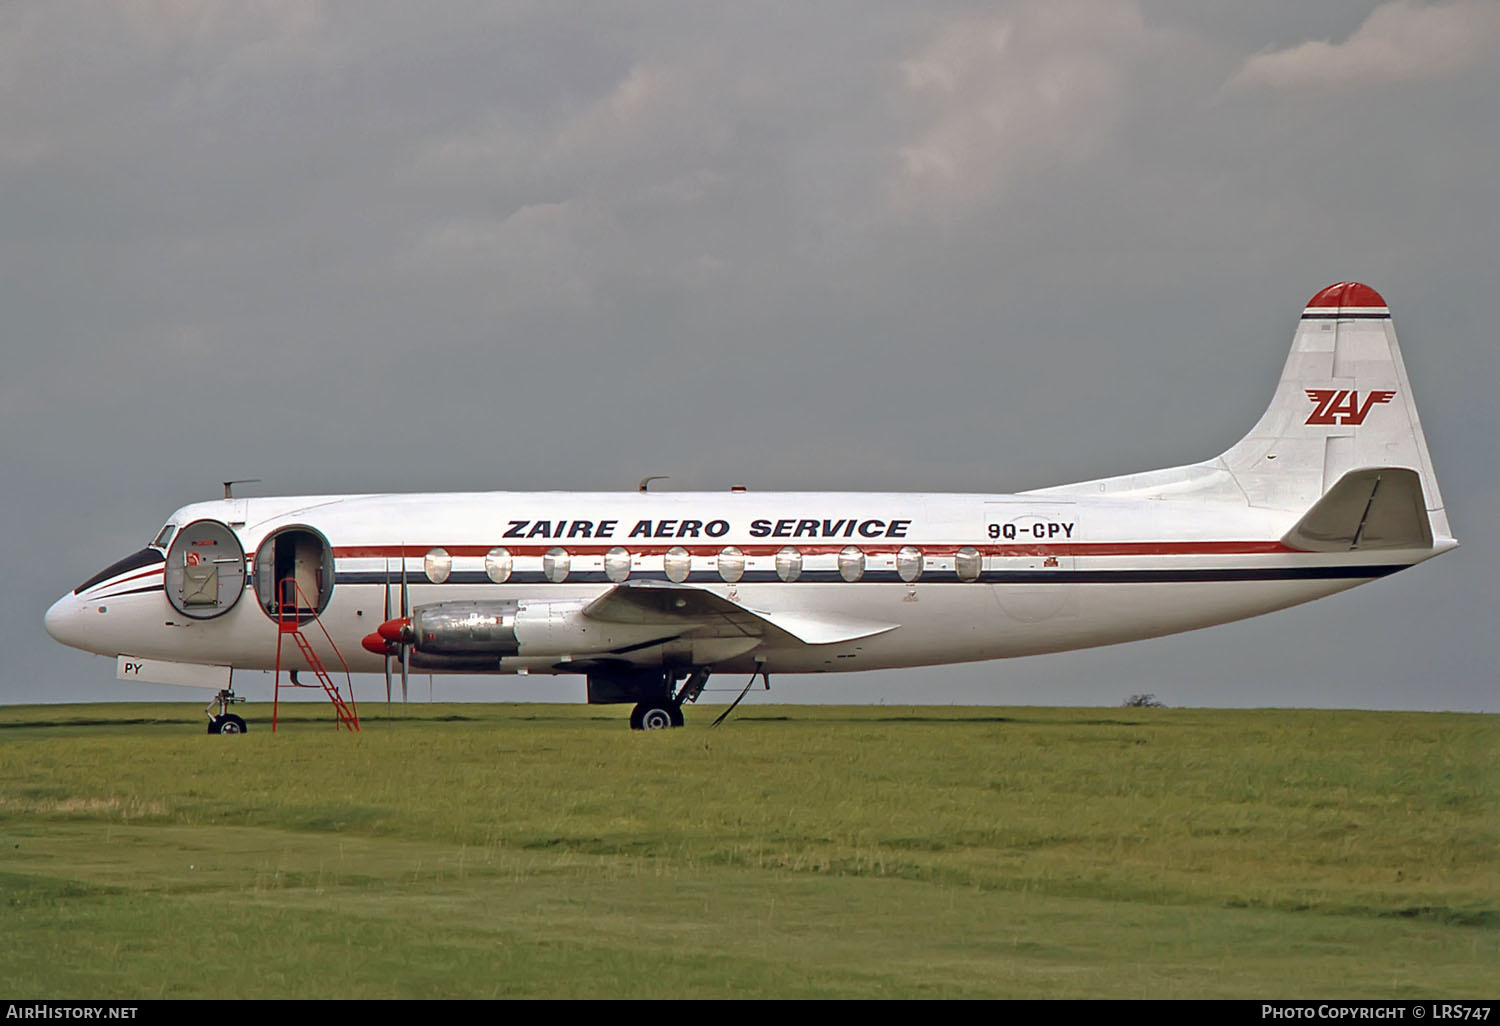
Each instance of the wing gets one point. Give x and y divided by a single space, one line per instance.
684 607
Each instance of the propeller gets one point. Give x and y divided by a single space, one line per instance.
406 620
394 636
387 615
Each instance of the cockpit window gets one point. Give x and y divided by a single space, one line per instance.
165 538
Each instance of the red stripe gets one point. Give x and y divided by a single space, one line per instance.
137 577
868 545
1146 549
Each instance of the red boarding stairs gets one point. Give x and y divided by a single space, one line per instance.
290 610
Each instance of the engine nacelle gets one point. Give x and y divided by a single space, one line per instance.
519 627
466 628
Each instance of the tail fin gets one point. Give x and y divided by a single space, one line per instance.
1343 403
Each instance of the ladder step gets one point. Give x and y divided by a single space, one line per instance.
345 715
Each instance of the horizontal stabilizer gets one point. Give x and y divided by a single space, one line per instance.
684 606
1372 508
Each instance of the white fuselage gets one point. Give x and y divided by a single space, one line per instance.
997 575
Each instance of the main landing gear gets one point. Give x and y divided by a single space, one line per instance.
665 711
656 715
658 700
224 722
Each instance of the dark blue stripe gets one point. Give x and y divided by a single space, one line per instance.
1293 573
1346 317
1059 576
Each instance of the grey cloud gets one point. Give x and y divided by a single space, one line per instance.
1402 41
1019 89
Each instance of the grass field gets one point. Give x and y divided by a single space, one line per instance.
524 850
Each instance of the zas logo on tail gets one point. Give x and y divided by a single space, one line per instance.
1343 404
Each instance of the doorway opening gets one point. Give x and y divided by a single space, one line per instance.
294 574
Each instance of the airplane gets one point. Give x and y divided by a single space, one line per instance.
645 594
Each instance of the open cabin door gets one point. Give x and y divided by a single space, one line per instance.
205 570
294 573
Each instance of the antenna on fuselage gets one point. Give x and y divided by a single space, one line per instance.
645 484
229 485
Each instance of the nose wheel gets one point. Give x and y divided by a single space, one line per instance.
223 721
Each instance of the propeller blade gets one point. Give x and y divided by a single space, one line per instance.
383 619
405 615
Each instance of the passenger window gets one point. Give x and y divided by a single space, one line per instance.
968 564
789 563
731 564
677 563
851 563
909 563
617 564
497 565
437 564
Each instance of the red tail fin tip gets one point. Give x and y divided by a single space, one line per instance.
1346 293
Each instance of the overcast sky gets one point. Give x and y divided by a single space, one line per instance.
879 246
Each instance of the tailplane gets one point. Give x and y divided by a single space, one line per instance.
1375 508
1343 404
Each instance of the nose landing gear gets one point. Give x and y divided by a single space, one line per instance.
224 722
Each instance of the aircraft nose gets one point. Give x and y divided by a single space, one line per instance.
62 620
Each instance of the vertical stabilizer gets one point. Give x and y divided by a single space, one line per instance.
1343 402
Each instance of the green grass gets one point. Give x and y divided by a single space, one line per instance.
529 850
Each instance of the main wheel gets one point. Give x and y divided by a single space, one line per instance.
660 715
